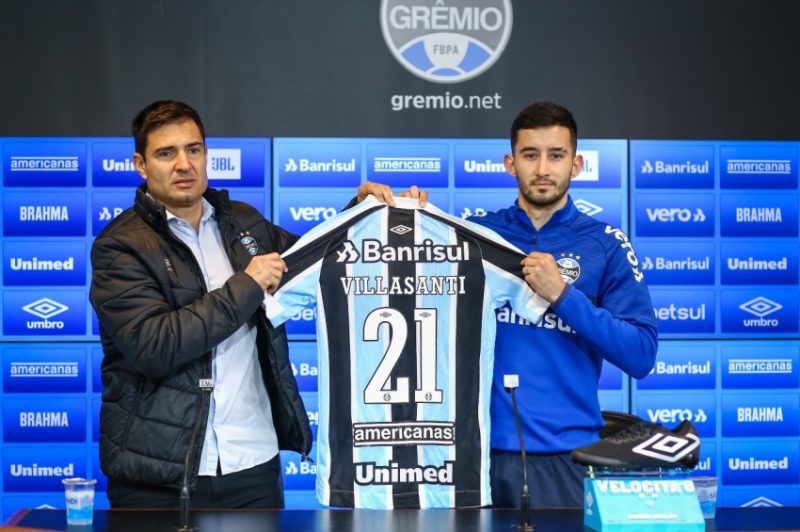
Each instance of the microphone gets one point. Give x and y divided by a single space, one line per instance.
185 502
511 383
184 497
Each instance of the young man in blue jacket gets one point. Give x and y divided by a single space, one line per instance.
600 310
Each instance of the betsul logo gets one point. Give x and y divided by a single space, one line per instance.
446 43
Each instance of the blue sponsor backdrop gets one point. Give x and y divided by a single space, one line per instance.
761 366
684 311
318 163
674 215
44 313
758 165
672 165
42 467
682 366
44 213
759 262
112 163
677 262
752 462
760 415
33 368
51 419
669 409
759 310
715 224
763 214
44 163
44 263
402 163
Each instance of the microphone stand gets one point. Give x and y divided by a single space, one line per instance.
184 501
511 382
184 497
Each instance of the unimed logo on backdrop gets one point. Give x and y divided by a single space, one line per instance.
41 468
752 462
446 41
44 263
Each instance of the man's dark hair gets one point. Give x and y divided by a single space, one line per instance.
544 114
159 114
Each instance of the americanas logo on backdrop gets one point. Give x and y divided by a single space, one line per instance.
446 41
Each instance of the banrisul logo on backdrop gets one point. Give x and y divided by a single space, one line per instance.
446 41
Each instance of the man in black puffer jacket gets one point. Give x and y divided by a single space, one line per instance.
198 391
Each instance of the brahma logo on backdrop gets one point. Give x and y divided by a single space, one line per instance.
757 415
446 42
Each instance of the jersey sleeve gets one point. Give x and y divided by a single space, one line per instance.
299 285
509 288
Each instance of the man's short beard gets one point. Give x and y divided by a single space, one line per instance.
540 202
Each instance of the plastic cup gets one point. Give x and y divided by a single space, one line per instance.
79 494
706 489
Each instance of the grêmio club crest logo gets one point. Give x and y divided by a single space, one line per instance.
446 41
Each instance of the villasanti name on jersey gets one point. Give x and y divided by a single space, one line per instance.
404 285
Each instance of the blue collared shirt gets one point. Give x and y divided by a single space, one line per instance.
240 433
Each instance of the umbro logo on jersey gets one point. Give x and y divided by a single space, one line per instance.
400 229
668 447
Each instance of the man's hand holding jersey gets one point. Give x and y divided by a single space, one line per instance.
267 270
383 193
541 273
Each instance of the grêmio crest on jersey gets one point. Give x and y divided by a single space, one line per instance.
569 267
405 299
